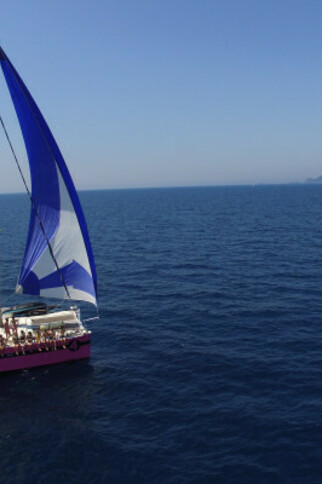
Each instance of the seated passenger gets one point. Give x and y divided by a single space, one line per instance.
23 341
62 337
38 339
46 334
30 340
2 345
51 339
54 340
15 341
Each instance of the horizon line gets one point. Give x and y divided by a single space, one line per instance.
164 187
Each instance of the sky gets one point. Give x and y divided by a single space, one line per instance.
148 93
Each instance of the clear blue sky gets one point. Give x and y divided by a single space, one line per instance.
145 93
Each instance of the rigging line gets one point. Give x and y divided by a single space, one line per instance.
95 317
58 305
34 208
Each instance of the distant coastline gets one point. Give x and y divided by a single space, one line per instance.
317 180
314 180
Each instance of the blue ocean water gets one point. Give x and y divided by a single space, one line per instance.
206 362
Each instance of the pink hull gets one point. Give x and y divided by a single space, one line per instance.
76 349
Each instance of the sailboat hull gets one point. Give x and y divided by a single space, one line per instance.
76 348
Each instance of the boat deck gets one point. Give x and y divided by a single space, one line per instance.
51 331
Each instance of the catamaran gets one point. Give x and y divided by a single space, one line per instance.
58 261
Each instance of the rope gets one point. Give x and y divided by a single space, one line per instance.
90 319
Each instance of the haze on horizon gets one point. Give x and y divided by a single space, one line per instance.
171 93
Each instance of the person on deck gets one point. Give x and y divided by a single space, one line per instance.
14 324
23 341
7 329
38 339
30 339
47 339
54 339
62 337
2 345
15 341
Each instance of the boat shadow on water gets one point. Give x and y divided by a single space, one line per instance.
54 374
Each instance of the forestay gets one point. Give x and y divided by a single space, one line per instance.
56 214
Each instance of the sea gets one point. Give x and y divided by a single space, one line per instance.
206 362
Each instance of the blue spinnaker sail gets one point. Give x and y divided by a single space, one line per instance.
66 268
